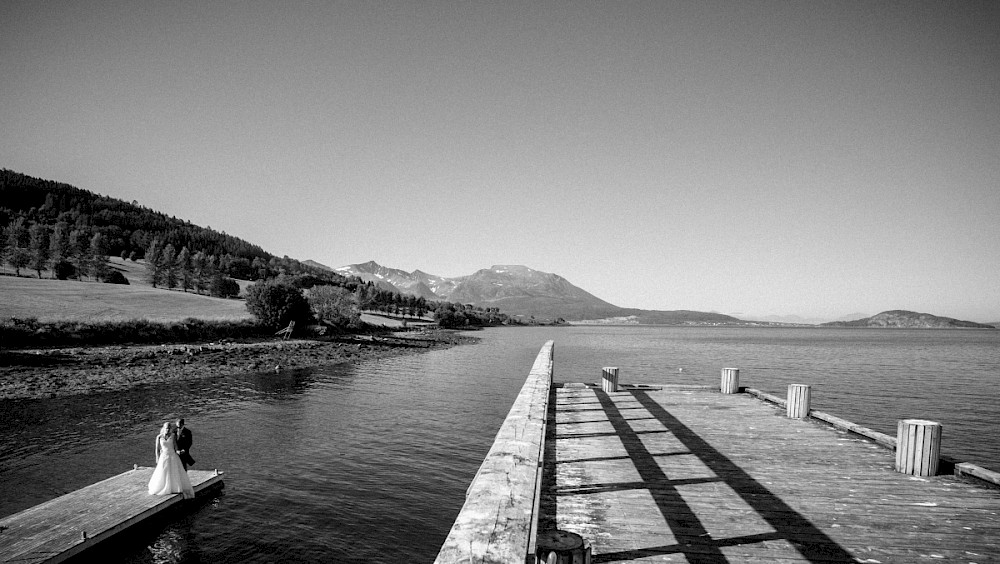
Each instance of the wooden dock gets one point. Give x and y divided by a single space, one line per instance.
685 475
583 473
66 526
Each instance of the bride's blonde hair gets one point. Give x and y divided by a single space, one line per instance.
165 430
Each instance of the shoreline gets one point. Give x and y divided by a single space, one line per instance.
50 373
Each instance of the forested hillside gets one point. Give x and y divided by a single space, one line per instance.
70 217
60 231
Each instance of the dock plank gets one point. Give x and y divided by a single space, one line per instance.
698 476
53 531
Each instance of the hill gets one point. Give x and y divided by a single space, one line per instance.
128 229
908 320
521 291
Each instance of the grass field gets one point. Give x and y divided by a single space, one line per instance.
384 321
70 300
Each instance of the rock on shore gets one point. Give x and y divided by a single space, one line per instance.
45 373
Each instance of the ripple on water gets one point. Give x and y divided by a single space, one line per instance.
370 462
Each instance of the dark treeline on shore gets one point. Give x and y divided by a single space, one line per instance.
69 233
30 333
52 221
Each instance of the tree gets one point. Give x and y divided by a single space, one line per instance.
39 247
334 305
447 316
19 258
223 286
98 256
275 304
59 243
154 262
170 266
115 277
64 270
185 269
258 269
17 241
199 271
239 267
78 252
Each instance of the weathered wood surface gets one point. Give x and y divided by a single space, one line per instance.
918 447
798 402
695 476
609 379
497 522
730 383
960 468
842 424
54 531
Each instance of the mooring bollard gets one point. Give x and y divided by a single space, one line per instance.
609 379
918 447
562 547
797 406
730 381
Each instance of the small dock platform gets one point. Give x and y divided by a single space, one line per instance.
692 475
67 525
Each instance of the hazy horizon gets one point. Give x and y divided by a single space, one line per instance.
750 158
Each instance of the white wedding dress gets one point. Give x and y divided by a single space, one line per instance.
170 477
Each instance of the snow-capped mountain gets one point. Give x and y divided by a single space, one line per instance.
517 290
416 283
438 285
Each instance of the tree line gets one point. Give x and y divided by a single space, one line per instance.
305 299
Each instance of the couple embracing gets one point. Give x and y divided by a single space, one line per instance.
172 460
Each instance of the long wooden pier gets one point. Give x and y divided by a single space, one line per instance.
689 474
64 527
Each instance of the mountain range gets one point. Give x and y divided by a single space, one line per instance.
520 291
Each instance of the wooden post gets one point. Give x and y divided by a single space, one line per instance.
730 381
609 379
918 447
799 396
562 547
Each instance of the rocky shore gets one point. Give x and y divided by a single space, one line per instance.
46 373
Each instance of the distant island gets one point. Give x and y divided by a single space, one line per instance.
901 319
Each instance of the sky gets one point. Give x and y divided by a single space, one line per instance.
816 159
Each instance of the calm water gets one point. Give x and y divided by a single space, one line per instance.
370 463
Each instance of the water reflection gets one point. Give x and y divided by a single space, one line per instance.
370 462
106 433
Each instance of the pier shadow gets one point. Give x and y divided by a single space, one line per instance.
692 538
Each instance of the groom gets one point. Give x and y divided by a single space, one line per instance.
184 441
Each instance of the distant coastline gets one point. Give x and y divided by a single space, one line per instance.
901 319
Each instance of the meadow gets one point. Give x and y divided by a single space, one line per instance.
50 300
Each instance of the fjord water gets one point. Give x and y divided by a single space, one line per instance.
370 462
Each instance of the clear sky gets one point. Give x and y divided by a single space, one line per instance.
752 158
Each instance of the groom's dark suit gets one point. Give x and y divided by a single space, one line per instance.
184 440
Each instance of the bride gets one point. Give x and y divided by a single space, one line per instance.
169 477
